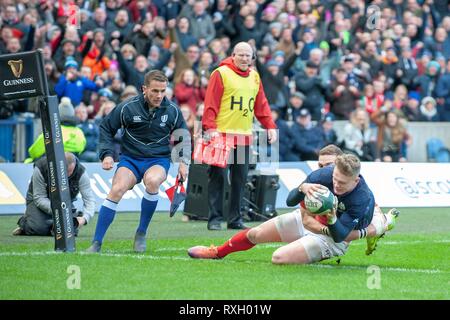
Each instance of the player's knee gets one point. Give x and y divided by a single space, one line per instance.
278 257
117 192
152 182
254 235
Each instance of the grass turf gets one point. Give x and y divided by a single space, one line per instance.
413 262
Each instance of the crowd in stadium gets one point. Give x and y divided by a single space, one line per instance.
376 64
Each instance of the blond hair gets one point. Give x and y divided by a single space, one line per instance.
348 164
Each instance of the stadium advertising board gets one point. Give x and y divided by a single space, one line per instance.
21 76
407 184
394 185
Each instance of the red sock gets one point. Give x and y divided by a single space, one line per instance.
239 242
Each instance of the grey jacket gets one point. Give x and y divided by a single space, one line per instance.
41 200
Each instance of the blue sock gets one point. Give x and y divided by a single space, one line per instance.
105 217
148 206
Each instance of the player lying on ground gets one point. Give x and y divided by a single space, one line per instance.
355 211
378 226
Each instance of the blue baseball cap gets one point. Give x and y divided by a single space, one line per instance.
304 113
329 117
414 95
105 92
71 63
272 63
278 53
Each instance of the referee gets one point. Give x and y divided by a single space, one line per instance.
148 122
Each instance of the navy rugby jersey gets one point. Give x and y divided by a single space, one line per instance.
146 133
355 208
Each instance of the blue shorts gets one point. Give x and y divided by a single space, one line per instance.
140 165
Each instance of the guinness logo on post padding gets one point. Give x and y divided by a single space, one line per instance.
16 67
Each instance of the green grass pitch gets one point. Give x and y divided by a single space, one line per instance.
412 261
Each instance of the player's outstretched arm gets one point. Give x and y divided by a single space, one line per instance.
310 223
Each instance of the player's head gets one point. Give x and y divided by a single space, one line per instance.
345 173
242 55
154 88
328 154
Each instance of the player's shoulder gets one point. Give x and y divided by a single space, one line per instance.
327 170
322 175
130 102
362 193
171 107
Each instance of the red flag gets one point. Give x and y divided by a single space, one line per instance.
171 191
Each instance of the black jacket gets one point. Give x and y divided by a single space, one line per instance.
314 90
274 84
146 134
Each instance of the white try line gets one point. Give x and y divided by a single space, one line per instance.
354 243
150 257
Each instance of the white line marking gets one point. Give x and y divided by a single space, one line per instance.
354 243
149 257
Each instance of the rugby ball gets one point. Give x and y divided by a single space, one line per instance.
322 203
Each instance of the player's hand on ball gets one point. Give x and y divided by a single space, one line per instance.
107 163
310 189
331 217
